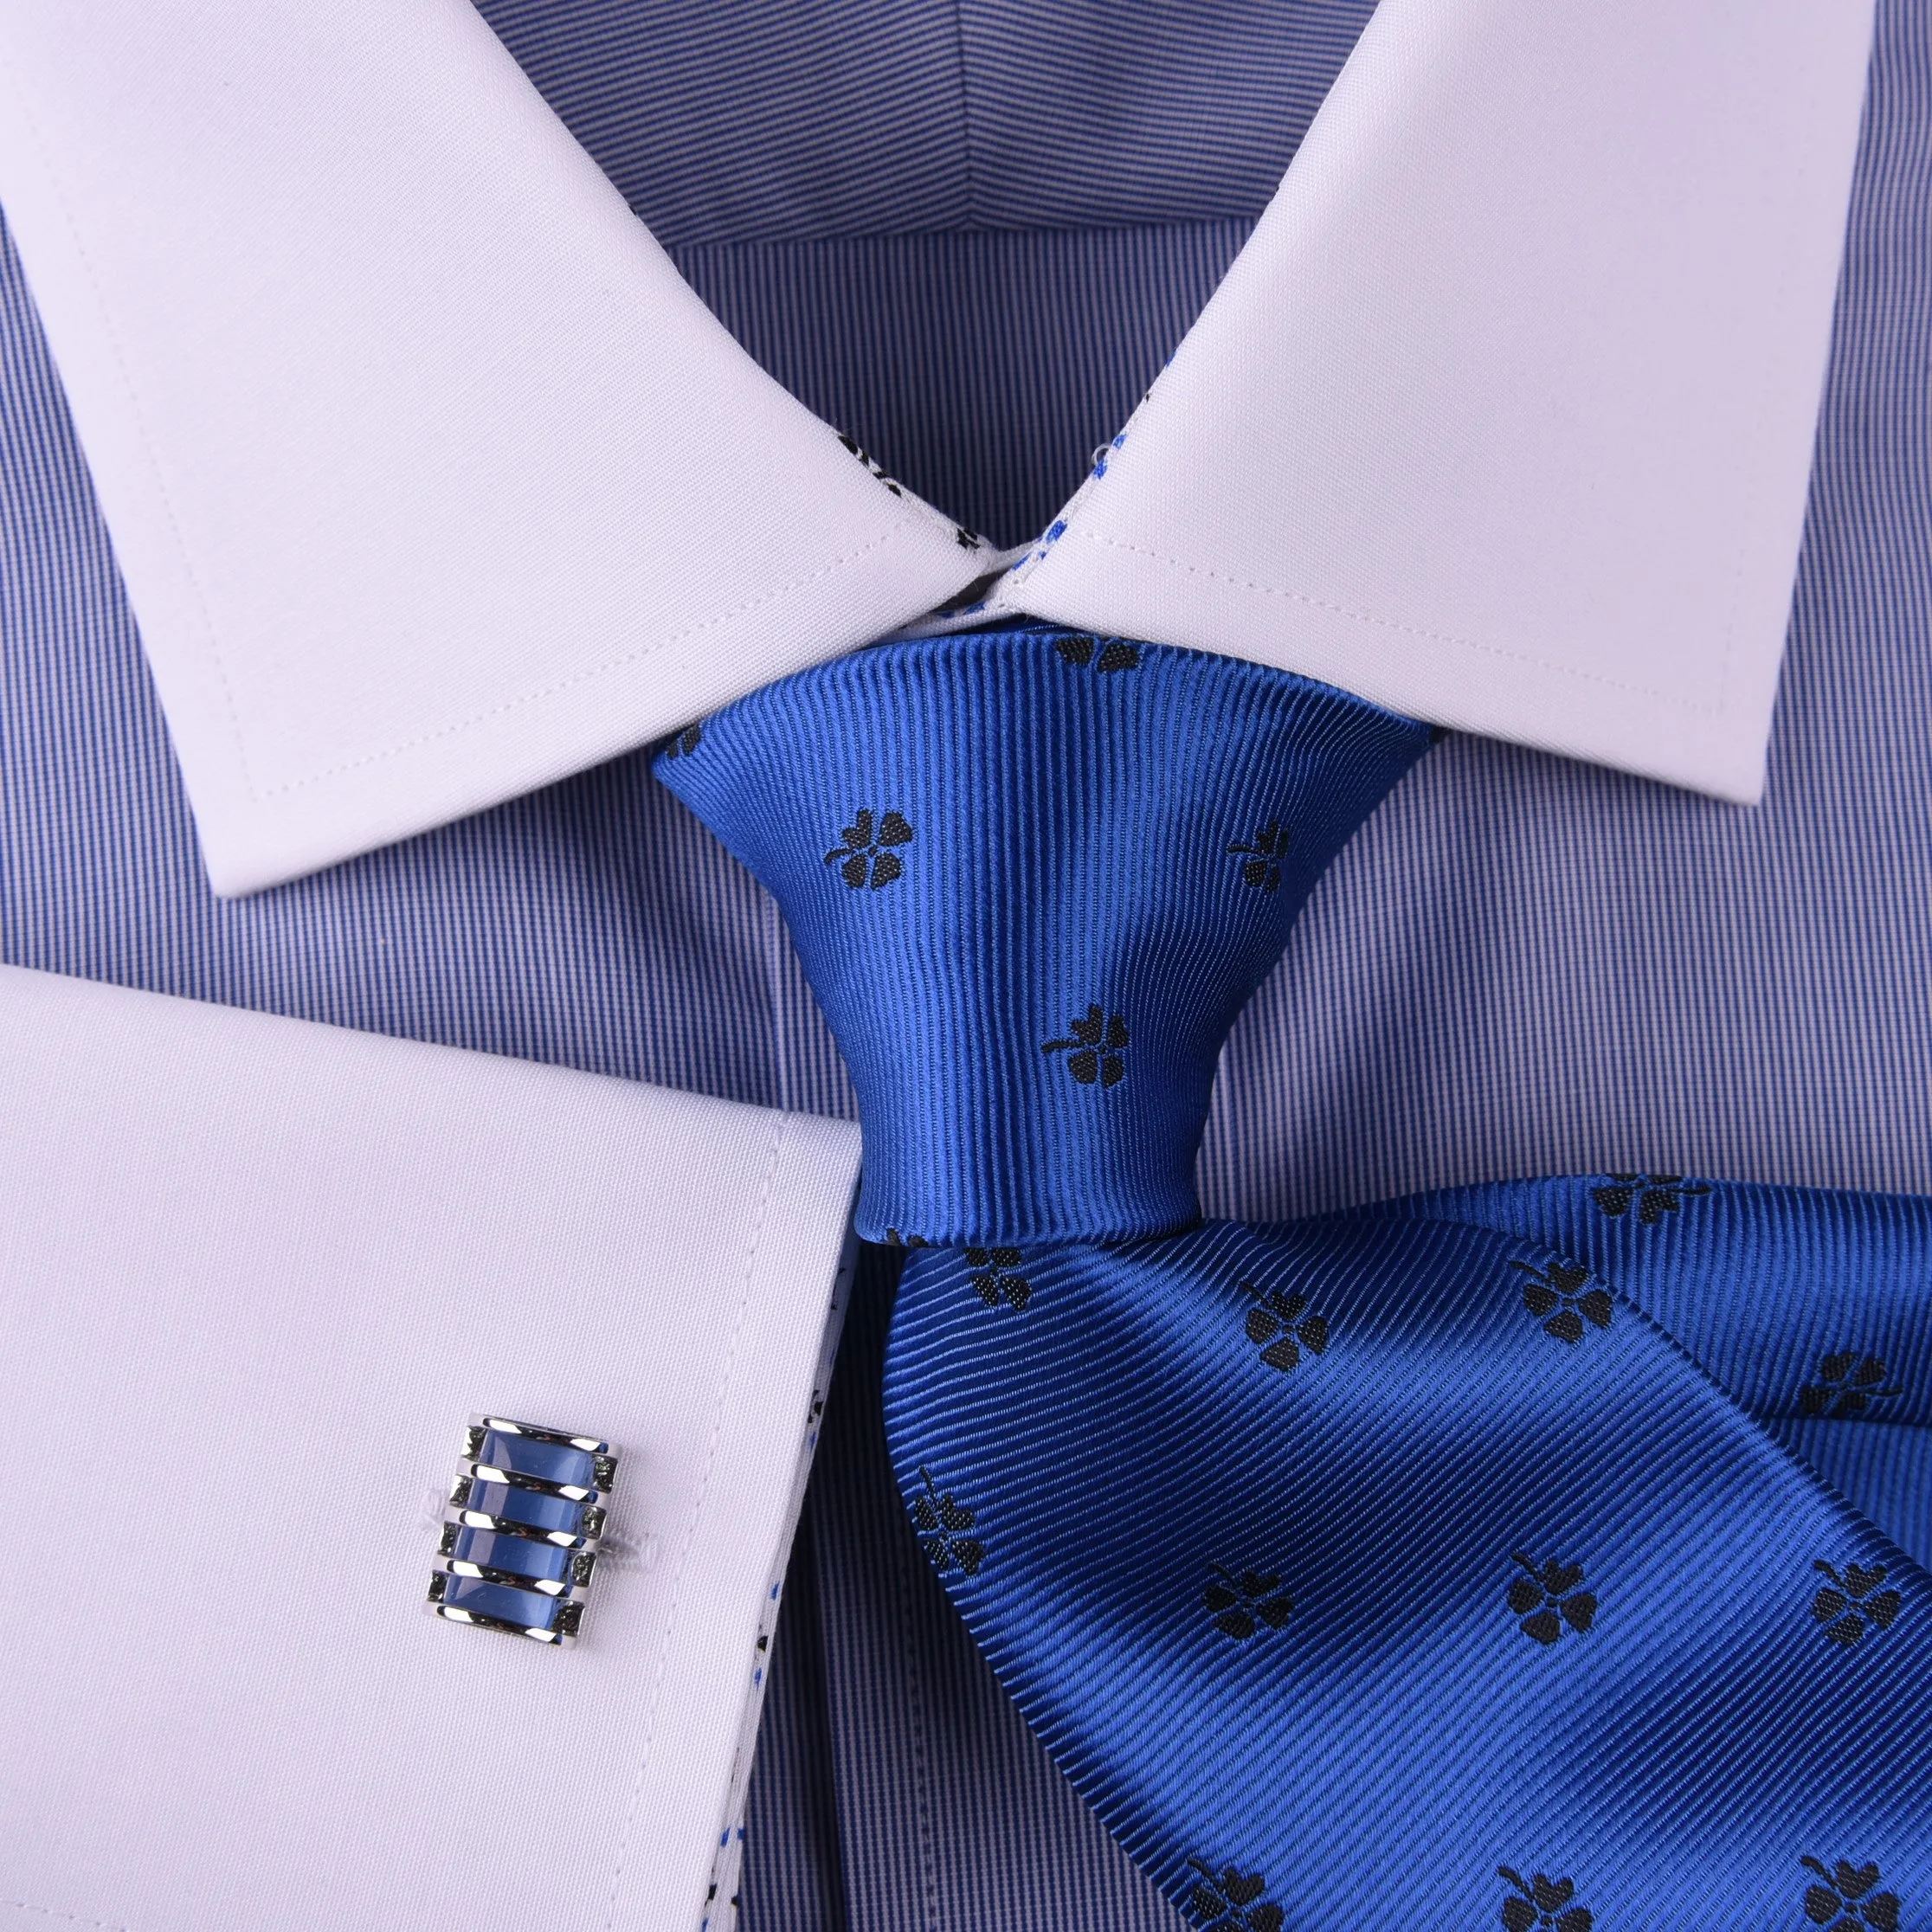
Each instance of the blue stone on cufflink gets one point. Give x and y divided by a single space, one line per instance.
522 1529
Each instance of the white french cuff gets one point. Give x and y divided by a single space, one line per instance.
257 1276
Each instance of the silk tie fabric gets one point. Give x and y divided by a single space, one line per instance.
1437 1563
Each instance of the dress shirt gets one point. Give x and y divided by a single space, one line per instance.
386 574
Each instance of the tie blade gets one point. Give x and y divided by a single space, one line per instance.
1774 1290
1811 1306
1530 1602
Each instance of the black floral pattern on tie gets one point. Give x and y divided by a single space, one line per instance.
1546 1600
1280 1326
1850 1604
1116 654
1542 1904
1261 867
996 1280
1848 1384
1558 1293
1654 1194
1230 1900
942 1524
865 857
1242 1604
1093 1053
1849 1899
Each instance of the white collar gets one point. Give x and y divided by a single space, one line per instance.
431 481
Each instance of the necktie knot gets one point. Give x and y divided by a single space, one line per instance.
1405 1512
1033 876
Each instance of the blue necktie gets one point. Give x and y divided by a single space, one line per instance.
1444 1564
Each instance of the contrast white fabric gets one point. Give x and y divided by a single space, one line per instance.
430 479
255 1277
1504 418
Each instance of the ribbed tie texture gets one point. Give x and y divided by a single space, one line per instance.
1033 876
1544 1554
1399 1555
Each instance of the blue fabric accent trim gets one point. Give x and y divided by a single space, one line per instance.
1033 876
1040 343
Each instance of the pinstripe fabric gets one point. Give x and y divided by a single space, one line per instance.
1518 965
721 122
1015 214
1084 113
983 368
739 121
793 1802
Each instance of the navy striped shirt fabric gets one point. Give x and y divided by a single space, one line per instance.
970 234
991 364
728 120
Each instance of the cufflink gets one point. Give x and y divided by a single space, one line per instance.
522 1529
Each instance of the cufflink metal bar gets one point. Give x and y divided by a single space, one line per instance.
522 1529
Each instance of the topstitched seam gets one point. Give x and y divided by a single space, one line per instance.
106 314
594 671
1392 624
910 520
697 1512
70 1918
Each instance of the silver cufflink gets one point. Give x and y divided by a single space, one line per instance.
522 1529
